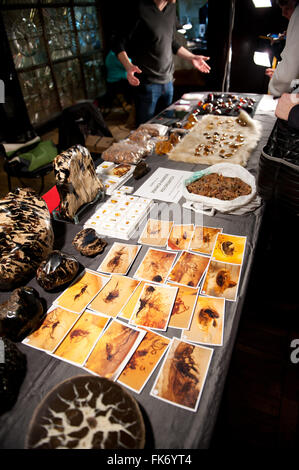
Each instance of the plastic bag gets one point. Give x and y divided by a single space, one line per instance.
225 169
124 152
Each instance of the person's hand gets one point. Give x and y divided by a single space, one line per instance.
199 62
269 72
134 81
285 104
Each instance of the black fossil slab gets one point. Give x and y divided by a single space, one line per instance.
88 243
58 269
21 314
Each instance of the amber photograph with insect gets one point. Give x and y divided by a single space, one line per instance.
189 269
128 309
119 258
76 297
203 239
229 248
154 306
81 338
182 375
156 232
221 280
114 295
55 326
155 265
183 307
207 323
113 349
180 237
143 362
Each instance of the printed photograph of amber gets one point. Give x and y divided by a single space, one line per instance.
155 265
76 297
221 280
114 295
189 269
203 239
55 326
77 344
119 258
207 323
128 309
180 237
229 248
154 306
183 307
156 232
182 375
143 362
113 350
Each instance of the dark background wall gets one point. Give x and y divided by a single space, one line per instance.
249 24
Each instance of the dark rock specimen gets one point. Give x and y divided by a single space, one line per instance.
92 413
76 180
141 169
12 373
26 236
88 243
21 314
58 269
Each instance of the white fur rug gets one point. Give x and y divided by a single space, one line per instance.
219 139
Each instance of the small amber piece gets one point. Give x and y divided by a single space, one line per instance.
163 147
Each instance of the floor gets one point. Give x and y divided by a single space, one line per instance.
260 406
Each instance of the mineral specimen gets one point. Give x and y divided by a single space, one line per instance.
26 236
58 269
21 314
12 373
92 412
88 243
76 181
141 170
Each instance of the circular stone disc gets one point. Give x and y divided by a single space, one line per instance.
87 412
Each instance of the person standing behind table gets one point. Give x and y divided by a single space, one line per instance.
117 84
149 40
288 109
288 69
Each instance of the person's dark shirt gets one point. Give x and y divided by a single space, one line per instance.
293 119
148 39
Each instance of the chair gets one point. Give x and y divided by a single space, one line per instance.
32 161
77 122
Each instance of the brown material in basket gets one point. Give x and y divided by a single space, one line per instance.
218 186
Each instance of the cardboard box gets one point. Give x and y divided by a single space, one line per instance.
98 144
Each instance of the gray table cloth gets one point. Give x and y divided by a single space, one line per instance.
168 427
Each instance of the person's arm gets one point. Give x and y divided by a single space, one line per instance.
120 40
198 61
288 69
130 68
288 109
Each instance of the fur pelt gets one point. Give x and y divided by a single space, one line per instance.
225 129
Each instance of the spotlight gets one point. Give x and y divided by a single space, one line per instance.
262 3
261 58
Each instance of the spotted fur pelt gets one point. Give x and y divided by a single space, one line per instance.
218 139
